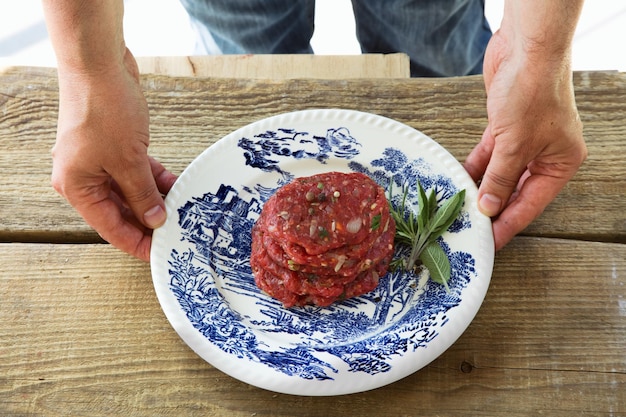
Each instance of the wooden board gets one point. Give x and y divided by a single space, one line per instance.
280 66
189 114
83 334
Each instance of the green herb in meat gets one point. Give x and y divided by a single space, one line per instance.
375 222
420 231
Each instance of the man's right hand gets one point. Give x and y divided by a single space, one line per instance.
100 159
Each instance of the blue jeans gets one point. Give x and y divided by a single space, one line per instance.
442 37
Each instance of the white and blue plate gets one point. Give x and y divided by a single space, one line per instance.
202 277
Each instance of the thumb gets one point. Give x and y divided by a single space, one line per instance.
140 191
501 177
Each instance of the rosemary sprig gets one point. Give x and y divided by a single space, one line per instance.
420 231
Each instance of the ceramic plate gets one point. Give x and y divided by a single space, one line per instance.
202 276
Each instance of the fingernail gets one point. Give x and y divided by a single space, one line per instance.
489 205
154 217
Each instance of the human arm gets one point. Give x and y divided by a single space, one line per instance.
100 158
533 144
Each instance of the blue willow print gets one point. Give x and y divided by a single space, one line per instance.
404 313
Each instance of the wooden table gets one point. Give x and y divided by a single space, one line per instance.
82 333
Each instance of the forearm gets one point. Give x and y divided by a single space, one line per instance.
87 35
541 29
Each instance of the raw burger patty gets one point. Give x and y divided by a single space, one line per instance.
275 287
322 238
346 261
324 211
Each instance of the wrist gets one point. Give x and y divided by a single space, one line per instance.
87 36
541 30
83 62
78 79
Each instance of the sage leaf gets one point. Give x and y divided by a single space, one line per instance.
435 259
432 203
447 214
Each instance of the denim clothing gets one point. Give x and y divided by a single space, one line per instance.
442 37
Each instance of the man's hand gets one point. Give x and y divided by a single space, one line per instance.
100 159
533 144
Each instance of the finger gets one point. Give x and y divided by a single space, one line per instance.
121 230
501 177
164 179
478 159
530 201
95 200
139 189
103 210
125 211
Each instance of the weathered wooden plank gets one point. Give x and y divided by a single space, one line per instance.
280 66
189 114
82 333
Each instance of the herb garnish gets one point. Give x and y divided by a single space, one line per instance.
375 222
420 232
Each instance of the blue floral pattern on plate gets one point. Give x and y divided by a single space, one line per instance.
310 350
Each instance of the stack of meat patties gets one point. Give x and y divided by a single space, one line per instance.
322 238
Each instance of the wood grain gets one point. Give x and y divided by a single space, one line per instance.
83 334
189 114
280 66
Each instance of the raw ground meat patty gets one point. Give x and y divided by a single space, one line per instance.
325 211
322 238
346 261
